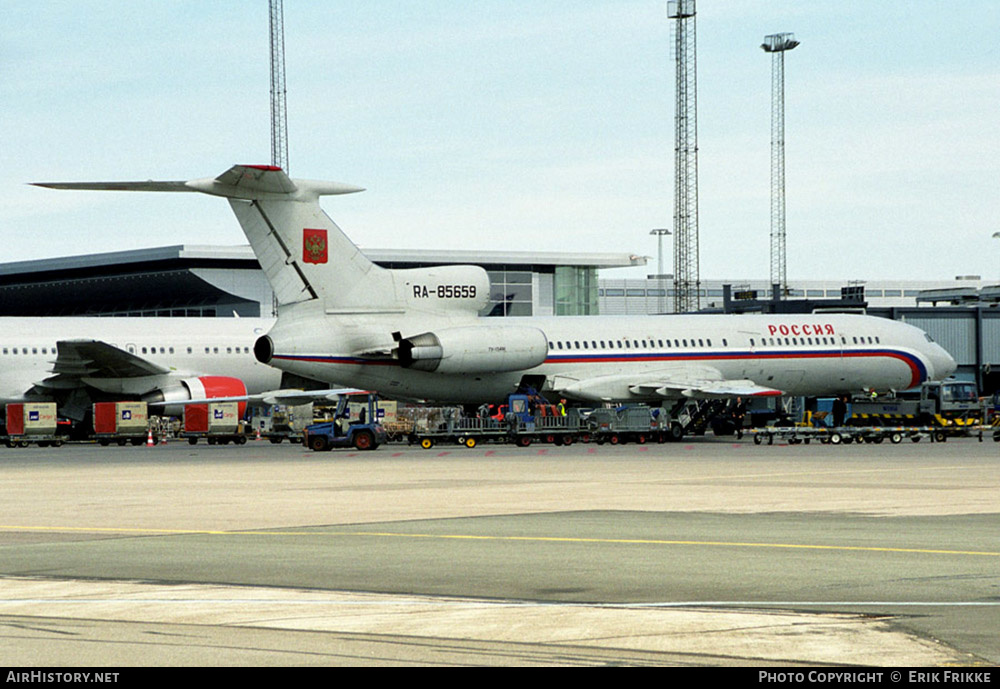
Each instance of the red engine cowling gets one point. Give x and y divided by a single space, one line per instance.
203 387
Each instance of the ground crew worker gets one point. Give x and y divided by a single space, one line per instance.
561 407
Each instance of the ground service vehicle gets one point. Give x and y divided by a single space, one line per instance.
937 410
944 408
363 434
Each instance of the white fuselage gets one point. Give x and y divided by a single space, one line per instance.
185 346
610 358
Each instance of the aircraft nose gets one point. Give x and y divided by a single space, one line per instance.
944 364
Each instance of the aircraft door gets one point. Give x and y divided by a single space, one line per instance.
751 361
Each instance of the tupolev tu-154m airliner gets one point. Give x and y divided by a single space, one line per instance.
416 333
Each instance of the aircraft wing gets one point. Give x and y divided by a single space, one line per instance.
676 382
78 359
714 388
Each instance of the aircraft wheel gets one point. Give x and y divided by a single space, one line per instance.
426 443
470 442
318 443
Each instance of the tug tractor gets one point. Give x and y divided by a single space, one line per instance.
363 434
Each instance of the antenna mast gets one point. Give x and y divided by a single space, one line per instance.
687 282
279 113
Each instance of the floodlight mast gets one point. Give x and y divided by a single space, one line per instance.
660 232
777 44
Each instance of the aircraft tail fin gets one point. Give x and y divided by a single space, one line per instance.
301 250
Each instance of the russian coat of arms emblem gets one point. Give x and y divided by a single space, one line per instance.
314 246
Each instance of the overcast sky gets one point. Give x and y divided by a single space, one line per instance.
517 125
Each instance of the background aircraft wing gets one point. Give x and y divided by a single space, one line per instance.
79 359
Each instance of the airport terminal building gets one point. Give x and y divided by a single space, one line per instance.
225 281
213 281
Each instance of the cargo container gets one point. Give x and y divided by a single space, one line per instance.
282 422
122 423
31 422
217 422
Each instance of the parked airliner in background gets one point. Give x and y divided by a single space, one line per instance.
164 361
416 333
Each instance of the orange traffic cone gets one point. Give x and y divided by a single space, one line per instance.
149 438
258 434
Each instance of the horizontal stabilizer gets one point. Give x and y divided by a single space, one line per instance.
248 182
117 186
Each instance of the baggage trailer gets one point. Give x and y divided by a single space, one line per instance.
845 435
522 420
218 423
122 423
526 419
31 423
